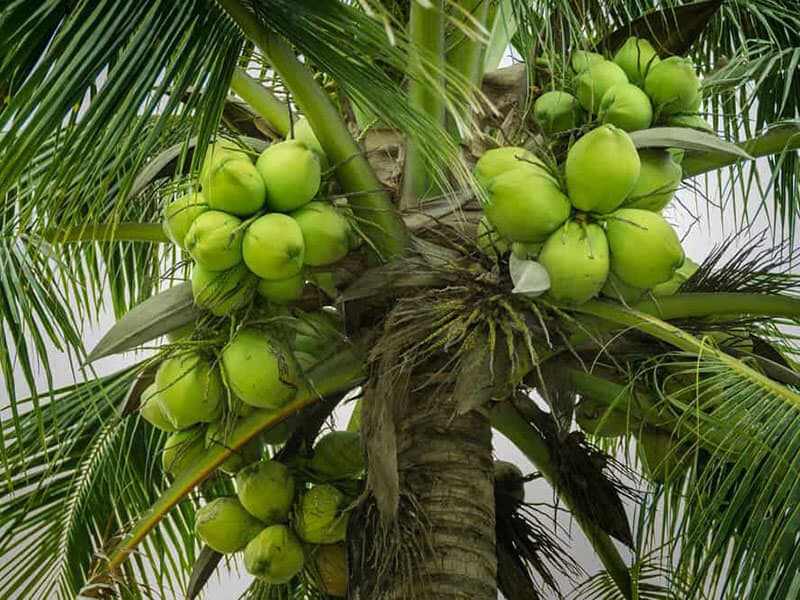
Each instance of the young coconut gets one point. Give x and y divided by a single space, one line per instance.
222 292
291 174
150 409
273 247
490 242
259 369
215 240
181 450
325 233
338 455
636 57
275 555
282 291
217 435
598 419
576 258
509 482
582 60
659 178
180 214
602 168
594 81
218 154
673 86
235 187
627 107
328 569
615 289
190 389
525 206
225 526
556 112
319 517
266 490
304 134
645 250
500 160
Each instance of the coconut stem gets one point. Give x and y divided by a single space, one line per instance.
267 106
107 232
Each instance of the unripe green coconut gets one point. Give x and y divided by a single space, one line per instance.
182 450
304 134
222 292
225 526
215 240
329 569
509 481
280 432
490 242
235 187
273 247
582 60
673 284
592 83
636 57
690 121
338 455
673 86
150 409
317 331
180 214
282 291
627 107
217 434
325 233
496 161
645 250
526 251
266 490
291 174
602 168
596 418
275 555
556 112
615 289
190 389
319 517
659 178
217 154
576 259
661 456
260 369
525 206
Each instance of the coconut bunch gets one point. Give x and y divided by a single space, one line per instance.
257 227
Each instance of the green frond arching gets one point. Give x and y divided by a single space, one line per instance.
72 487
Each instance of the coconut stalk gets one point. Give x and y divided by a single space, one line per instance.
262 101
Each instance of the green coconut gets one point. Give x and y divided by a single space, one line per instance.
182 450
525 206
291 174
282 291
305 134
329 569
490 242
661 456
150 409
509 481
222 292
218 154
645 250
235 187
659 178
582 60
526 251
556 112
190 389
690 122
215 240
636 57
615 289
280 432
275 555
673 86
325 233
601 169
576 259
273 247
180 214
596 418
500 160
627 107
225 526
338 455
592 83
319 517
681 275
266 490
217 434
259 369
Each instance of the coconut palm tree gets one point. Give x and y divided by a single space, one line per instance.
687 402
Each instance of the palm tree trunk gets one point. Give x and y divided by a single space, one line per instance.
445 465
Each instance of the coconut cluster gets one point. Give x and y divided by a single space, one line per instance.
257 227
593 219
